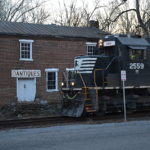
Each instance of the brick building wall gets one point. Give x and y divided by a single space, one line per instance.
46 53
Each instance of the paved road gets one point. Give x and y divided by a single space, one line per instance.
113 136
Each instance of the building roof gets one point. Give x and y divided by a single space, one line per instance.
28 29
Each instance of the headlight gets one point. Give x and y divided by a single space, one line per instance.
72 83
100 43
62 83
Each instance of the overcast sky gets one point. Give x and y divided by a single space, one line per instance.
54 8
79 2
53 5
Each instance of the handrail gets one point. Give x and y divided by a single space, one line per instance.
110 63
82 80
66 79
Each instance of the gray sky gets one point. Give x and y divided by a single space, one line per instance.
54 3
54 9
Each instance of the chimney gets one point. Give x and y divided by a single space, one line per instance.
93 23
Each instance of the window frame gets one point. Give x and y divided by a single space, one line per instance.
56 70
90 44
133 52
28 42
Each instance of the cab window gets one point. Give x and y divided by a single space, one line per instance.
137 54
110 51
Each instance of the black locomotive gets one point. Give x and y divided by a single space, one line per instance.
94 84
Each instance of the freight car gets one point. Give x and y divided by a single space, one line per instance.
94 84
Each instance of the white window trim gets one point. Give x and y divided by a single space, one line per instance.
56 70
70 69
26 41
89 44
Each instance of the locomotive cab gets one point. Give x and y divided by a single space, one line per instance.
134 54
131 54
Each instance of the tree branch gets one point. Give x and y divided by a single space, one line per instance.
122 14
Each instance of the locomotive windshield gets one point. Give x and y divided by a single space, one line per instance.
109 48
110 51
70 73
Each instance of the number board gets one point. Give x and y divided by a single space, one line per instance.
136 66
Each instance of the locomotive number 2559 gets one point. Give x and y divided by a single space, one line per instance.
136 66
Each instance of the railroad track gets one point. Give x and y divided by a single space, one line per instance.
51 121
44 121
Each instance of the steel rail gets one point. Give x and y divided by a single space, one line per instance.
53 121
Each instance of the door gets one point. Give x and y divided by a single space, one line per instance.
26 89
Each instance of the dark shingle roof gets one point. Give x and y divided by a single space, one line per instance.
27 29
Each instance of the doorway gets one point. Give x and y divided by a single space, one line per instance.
26 89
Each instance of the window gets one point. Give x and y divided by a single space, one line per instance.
26 50
137 54
91 48
52 79
109 51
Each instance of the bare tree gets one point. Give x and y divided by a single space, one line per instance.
89 14
69 15
39 16
127 22
73 15
143 17
140 14
23 10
